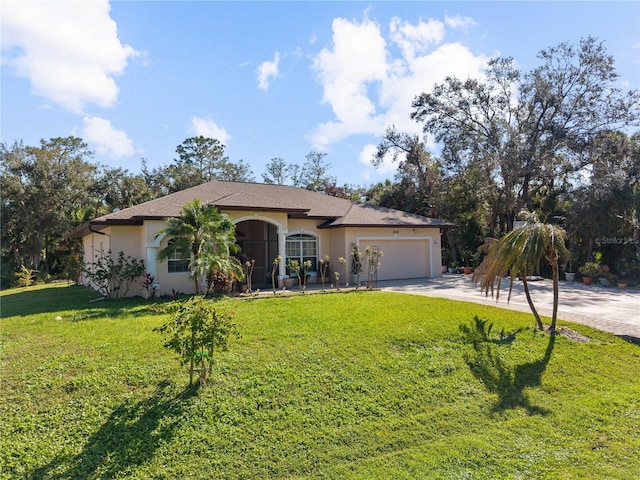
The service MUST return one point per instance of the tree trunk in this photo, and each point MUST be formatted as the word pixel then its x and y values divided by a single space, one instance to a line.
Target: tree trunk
pixel 37 251
pixel 556 278
pixel 525 284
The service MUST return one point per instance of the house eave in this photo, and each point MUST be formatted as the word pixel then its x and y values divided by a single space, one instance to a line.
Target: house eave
pixel 385 225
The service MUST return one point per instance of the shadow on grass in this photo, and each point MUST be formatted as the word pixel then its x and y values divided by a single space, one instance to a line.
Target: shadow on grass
pixel 16 302
pixel 630 339
pixel 75 303
pixel 129 438
pixel 508 382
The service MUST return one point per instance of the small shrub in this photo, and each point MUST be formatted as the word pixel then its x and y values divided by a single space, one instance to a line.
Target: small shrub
pixel 217 282
pixel 25 276
pixel 149 284
pixel 113 278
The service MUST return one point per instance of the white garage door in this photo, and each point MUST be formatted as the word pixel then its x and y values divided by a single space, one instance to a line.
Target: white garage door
pixel 402 258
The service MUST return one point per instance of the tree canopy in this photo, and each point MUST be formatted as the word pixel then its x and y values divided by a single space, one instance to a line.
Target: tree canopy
pixel 42 190
pixel 527 131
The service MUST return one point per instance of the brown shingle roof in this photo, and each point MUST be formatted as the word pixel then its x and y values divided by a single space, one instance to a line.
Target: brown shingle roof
pixel 296 202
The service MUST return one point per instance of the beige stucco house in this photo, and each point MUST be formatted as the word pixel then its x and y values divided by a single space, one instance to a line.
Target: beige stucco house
pixel 273 220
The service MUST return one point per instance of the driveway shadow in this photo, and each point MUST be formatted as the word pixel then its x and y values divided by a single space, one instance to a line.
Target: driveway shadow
pixel 130 437
pixel 507 381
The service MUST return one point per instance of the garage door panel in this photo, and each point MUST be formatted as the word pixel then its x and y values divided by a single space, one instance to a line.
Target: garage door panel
pixel 403 259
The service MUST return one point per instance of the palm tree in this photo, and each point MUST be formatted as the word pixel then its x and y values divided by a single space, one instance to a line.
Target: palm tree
pixel 519 253
pixel 205 237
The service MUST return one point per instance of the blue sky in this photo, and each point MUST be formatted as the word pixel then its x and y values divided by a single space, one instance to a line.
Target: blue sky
pixel 267 79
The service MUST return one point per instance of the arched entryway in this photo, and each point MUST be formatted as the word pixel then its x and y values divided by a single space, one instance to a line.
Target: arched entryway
pixel 258 241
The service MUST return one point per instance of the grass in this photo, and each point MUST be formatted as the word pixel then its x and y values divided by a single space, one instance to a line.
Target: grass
pixel 355 385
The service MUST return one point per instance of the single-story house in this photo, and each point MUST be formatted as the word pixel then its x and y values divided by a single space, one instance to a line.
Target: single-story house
pixel 274 220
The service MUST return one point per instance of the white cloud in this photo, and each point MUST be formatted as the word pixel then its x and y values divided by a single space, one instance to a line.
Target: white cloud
pixel 386 167
pixel 401 87
pixel 458 21
pixel 208 128
pixel 69 51
pixel 356 60
pixel 415 39
pixel 369 89
pixel 107 140
pixel 268 70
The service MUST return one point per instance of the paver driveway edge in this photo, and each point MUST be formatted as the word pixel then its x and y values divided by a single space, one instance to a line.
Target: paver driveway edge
pixel 605 308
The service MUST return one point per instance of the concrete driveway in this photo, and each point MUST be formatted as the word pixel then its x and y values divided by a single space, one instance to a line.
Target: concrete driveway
pixel 605 308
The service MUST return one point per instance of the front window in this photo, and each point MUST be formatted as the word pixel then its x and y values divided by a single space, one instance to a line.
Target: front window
pixel 302 248
pixel 176 263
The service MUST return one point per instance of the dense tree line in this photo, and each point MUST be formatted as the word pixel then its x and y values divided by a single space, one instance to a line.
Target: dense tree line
pixel 555 140
pixel 49 190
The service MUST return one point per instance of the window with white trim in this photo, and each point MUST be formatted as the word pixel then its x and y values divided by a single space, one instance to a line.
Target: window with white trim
pixel 176 263
pixel 302 248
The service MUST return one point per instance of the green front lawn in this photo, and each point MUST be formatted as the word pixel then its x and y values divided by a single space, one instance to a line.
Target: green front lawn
pixel 336 385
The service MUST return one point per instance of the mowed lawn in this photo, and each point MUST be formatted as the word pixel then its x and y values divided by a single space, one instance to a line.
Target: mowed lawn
pixel 341 385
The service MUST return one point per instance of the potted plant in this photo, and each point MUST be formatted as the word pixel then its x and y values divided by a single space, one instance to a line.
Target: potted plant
pixel 622 283
pixel 569 274
pixel 453 267
pixel 607 278
pixel 589 271
pixel 467 256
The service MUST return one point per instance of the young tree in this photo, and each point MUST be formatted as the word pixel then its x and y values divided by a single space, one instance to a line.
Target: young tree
pixel 519 253
pixel 205 237
pixel 195 331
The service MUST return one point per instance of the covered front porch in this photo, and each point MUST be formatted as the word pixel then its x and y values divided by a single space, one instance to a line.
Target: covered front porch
pixel 261 240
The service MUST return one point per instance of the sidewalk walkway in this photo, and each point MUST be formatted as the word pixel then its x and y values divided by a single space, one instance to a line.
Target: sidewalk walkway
pixel 605 308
